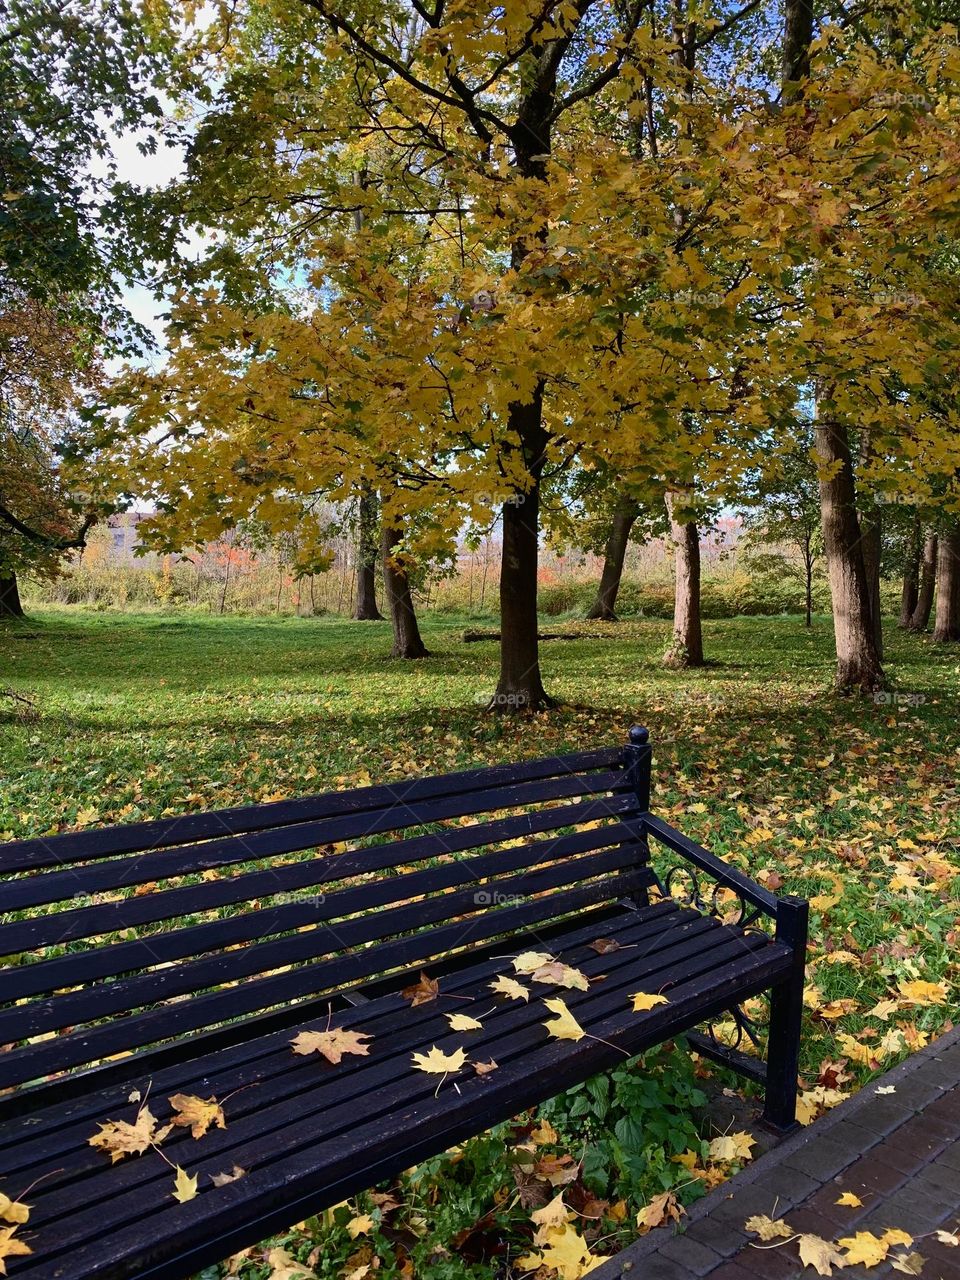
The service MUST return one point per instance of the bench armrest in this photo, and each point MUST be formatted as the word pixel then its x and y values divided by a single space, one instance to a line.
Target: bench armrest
pixel 761 900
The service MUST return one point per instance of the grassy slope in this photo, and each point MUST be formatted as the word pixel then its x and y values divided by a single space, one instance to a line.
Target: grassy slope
pixel 755 757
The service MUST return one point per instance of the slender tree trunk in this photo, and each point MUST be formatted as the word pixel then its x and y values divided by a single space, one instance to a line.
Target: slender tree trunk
pixel 808 580
pixel 686 649
pixel 858 661
pixel 946 628
pixel 911 574
pixel 871 534
pixel 615 552
pixel 10 606
pixel 407 642
pixel 366 610
pixel 928 577
pixel 798 36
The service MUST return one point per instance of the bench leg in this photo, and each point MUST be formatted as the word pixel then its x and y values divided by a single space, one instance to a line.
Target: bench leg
pixel 786 1016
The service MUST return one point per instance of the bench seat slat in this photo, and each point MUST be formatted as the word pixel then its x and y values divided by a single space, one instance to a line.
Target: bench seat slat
pixel 21 1065
pixel 327 928
pixel 80 846
pixel 133 912
pixel 280 1075
pixel 399 1102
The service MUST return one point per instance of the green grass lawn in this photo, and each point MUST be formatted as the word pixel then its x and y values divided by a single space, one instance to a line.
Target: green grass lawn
pixel 848 801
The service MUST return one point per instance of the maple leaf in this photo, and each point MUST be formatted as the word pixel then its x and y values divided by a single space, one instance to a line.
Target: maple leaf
pixel 360 1225
pixel 553 1214
pixel 13 1210
pixel 819 1254
pixel 463 1022
pixel 224 1179
pixel 603 946
pixel 197 1113
pixel 185 1186
pixel 769 1228
pixel 421 992
pixel 924 992
pixel 732 1146
pixel 848 1198
pixel 949 1238
pixel 332 1044
pixel 283 1266
pixel 10 1247
pixel 894 1235
pixel 119 1138
pixel 438 1062
pixel 564 1026
pixel 662 1208
pixel 565 1251
pixel 864 1247
pixel 561 975
pixel 504 986
pixel 529 961
pixel 642 1001
pixel 484 1068
pixel 911 1264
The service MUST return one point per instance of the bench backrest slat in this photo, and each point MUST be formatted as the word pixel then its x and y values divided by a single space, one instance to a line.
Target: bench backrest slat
pixel 135 837
pixel 150 867
pixel 280 918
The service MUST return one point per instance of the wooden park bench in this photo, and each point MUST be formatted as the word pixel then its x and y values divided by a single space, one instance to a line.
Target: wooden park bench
pixel 182 956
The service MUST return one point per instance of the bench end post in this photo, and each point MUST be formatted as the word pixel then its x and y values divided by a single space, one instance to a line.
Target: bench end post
pixel 786 1018
pixel 636 762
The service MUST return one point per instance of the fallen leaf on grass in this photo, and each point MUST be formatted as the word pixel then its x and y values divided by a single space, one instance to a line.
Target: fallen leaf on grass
pixel 662 1208
pixel 732 1146
pixel 197 1113
pixel 564 1251
pixel 119 1138
pixel 438 1062
pixel 553 1214
pixel 820 1254
pixel 223 1179
pixel 463 1022
pixel 283 1266
pixel 13 1211
pixel 332 1044
pixel 643 1000
pixel 924 992
pixel 360 1225
pixel 421 992
pixel 185 1186
pixel 564 1026
pixel 10 1247
pixel 505 986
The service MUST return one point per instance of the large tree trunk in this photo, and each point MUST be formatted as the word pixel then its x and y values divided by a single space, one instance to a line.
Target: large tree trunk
pixel 928 577
pixel 520 686
pixel 366 609
pixel 910 590
pixel 686 648
pixel 614 554
pixel 946 628
pixel 871 532
pixel 858 660
pixel 407 642
pixel 10 606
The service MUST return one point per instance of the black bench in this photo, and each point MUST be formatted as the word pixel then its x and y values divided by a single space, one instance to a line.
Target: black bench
pixel 183 955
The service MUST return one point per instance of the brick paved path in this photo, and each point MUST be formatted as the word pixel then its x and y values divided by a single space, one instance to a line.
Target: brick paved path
pixel 899 1152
